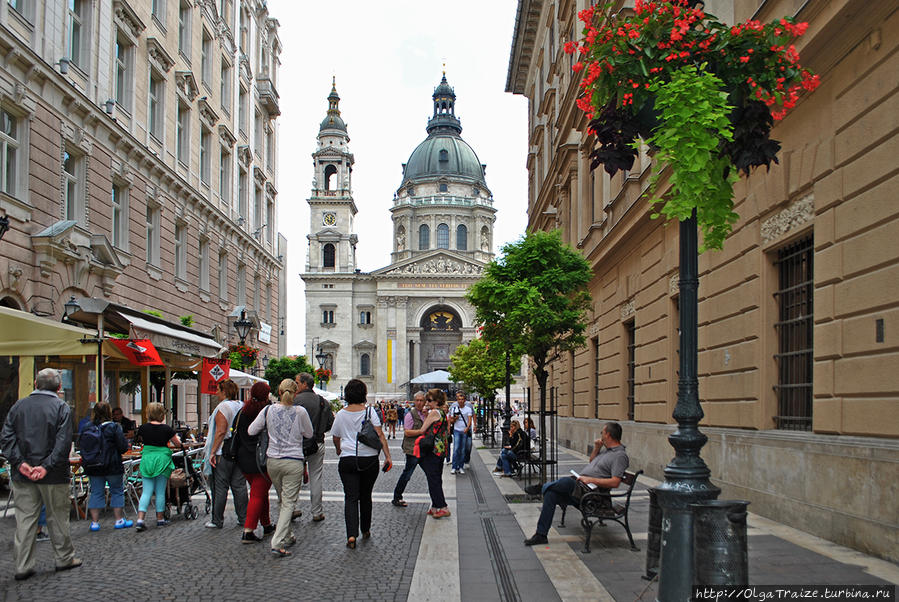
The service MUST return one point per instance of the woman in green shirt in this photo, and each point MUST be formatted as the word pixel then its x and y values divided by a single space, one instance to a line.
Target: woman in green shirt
pixel 155 463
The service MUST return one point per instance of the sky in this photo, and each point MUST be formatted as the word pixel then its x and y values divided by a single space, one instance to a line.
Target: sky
pixel 388 57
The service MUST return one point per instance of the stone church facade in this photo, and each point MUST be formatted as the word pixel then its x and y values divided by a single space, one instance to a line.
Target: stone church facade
pixel 390 325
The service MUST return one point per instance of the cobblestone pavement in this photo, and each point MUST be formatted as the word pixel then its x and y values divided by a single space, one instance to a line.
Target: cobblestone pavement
pixel 187 561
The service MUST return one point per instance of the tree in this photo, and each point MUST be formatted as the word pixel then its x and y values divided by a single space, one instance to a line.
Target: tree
pixel 535 298
pixel 481 366
pixel 285 367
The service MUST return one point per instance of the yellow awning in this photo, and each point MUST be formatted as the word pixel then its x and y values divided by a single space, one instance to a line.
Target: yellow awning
pixel 24 334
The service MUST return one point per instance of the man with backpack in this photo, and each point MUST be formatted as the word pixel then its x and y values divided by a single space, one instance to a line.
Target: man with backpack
pixel 322 418
pixel 102 445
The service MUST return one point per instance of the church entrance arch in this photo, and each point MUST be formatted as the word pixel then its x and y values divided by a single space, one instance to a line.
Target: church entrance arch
pixel 441 333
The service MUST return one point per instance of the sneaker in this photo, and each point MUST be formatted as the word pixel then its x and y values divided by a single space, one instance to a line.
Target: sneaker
pixel 296 514
pixel 141 526
pixel 536 540
pixel 533 489
pixel 42 536
pixel 124 523
pixel 162 523
pixel 497 471
pixel 212 525
pixel 441 513
pixel 453 471
pixel 95 526
pixel 461 471
pixel 268 529
pixel 249 537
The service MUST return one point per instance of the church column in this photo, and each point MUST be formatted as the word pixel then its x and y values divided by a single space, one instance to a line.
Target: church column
pixel 381 342
pixel 400 355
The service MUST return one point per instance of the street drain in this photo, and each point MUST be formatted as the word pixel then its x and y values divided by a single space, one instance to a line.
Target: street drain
pixel 478 490
pixel 508 592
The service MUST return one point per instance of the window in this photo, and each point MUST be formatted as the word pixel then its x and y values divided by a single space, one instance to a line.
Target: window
pixel 205 160
pixel 257 135
pixel 10 153
pixel 443 188
pixel 270 221
pixel 225 91
pixel 462 237
pixel 365 317
pixel 328 256
pixel 242 109
pixel 244 31
pixel 241 285
pixel 119 217
pixel 23 7
pixel 268 303
pixel 157 104
pixel 152 235
pixel 257 293
pixel 206 59
pixel 242 193
pixel 77 32
pixel 443 236
pixel 182 137
pixel 184 29
pixel 328 316
pixel 124 73
pixel 225 11
pixel 270 150
pixel 223 276
pixel 631 335
pixel 71 173
pixel 180 251
pixel 365 365
pixel 424 237
pixel 158 10
pixel 257 212
pixel 204 264
pixel 794 329
pixel 225 177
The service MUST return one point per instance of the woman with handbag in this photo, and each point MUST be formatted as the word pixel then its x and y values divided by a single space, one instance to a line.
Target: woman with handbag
pixel 358 440
pixel 431 448
pixel 286 425
pixel 258 508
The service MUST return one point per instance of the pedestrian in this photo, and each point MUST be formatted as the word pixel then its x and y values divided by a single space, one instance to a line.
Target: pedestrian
pixel 225 472
pixel 529 428
pixel 412 422
pixel 517 448
pixel 431 462
pixel 391 420
pixel 358 465
pixel 287 425
pixel 109 471
pixel 258 507
pixel 155 463
pixel 322 417
pixel 462 413
pixel 35 439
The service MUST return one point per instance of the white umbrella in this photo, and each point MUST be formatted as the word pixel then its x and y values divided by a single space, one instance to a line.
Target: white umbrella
pixel 242 379
pixel 437 377
pixel 326 394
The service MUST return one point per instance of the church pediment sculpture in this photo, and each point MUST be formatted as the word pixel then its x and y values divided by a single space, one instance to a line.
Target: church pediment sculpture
pixel 439 265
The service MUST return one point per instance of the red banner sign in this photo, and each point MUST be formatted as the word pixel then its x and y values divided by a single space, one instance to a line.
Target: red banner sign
pixel 139 352
pixel 215 370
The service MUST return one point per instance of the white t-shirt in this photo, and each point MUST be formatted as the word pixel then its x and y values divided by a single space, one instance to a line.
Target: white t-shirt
pixel 346 425
pixel 462 415
pixel 228 409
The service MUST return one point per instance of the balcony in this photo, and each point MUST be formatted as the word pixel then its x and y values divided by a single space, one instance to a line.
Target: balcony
pixel 268 96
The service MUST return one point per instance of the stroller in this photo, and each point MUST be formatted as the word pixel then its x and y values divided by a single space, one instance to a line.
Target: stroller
pixel 184 482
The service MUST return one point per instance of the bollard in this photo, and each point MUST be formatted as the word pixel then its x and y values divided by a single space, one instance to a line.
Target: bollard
pixel 720 551
pixel 654 539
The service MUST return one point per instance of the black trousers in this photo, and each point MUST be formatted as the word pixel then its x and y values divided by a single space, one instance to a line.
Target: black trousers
pixel 358 475
pixel 433 467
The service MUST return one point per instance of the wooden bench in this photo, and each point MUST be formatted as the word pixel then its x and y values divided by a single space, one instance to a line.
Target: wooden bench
pixel 599 505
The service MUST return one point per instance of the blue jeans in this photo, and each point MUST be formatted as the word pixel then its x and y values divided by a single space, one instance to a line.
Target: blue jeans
pixel 155 485
pixel 556 493
pixel 468 448
pixel 98 491
pixel 506 457
pixel 411 463
pixel 460 442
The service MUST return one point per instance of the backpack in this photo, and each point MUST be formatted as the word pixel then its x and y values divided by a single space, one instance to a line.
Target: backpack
pixel 93 446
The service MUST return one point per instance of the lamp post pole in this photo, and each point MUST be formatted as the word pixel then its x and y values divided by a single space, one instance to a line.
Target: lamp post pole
pixel 686 476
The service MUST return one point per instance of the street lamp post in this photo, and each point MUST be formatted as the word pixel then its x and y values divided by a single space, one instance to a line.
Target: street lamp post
pixel 321 357
pixel 242 326
pixel 686 476
pixel 95 307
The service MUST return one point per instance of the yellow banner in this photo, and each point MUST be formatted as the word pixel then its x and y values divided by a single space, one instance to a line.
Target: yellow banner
pixel 389 360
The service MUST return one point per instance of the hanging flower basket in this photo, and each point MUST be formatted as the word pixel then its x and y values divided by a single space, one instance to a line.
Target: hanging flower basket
pixel 323 375
pixel 703 94
pixel 245 354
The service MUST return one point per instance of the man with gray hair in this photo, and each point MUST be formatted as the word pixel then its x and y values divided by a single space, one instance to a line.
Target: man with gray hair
pixel 411 430
pixel 36 438
pixel 322 418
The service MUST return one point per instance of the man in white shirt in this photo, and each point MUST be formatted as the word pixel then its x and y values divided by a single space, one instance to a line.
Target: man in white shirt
pixel 463 414
pixel 225 472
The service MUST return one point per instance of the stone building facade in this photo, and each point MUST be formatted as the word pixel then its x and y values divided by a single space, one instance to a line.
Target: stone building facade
pixel 390 325
pixel 797 314
pixel 140 160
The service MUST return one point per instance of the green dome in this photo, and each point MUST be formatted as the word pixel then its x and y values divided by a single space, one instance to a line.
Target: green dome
pixel 429 161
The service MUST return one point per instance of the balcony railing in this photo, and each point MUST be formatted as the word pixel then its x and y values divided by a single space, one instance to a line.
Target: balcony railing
pixel 268 96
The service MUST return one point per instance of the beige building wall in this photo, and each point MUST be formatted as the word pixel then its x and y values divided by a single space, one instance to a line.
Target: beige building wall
pixel 834 184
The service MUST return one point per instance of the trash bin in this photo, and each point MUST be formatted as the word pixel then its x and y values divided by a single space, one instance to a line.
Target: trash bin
pixel 654 538
pixel 720 552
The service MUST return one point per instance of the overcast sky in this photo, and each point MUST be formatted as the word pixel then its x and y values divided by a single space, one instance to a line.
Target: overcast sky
pixel 388 58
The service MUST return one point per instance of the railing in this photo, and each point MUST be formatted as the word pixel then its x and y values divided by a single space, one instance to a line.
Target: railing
pixel 443 200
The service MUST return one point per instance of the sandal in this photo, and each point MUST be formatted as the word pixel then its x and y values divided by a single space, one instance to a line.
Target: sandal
pixel 280 553
pixel 366 535
pixel 399 503
pixel 351 543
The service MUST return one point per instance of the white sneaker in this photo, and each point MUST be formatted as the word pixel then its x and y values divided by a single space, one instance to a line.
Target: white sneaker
pixel 453 471
pixel 212 525
pixel 461 471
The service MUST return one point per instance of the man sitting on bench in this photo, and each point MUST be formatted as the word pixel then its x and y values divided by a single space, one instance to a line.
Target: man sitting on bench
pixel 605 470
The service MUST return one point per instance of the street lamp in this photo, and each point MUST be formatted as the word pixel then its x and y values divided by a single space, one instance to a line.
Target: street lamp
pixel 71 306
pixel 321 357
pixel 265 361
pixel 242 325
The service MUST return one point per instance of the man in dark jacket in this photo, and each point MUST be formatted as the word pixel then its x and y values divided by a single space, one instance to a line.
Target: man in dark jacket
pixel 322 418
pixel 36 438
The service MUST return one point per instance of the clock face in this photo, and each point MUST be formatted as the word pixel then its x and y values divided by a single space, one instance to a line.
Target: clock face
pixel 329 219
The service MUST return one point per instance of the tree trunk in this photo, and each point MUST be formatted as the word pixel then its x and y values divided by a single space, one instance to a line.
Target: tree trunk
pixel 541 374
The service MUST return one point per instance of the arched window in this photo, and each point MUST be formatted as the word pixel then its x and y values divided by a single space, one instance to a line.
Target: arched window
pixel 328 256
pixel 443 236
pixel 444 155
pixel 462 237
pixel 330 177
pixel 365 365
pixel 424 237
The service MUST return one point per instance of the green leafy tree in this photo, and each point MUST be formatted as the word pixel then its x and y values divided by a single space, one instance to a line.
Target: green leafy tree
pixel 535 297
pixel 285 367
pixel 481 366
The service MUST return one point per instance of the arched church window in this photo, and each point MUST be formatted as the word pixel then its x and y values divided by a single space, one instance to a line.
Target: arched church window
pixel 328 256
pixel 330 177
pixel 462 237
pixel 443 155
pixel 365 365
pixel 443 236
pixel 424 237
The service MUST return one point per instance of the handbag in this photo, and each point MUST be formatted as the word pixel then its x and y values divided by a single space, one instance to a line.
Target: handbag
pixel 367 434
pixel 229 446
pixel 262 444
